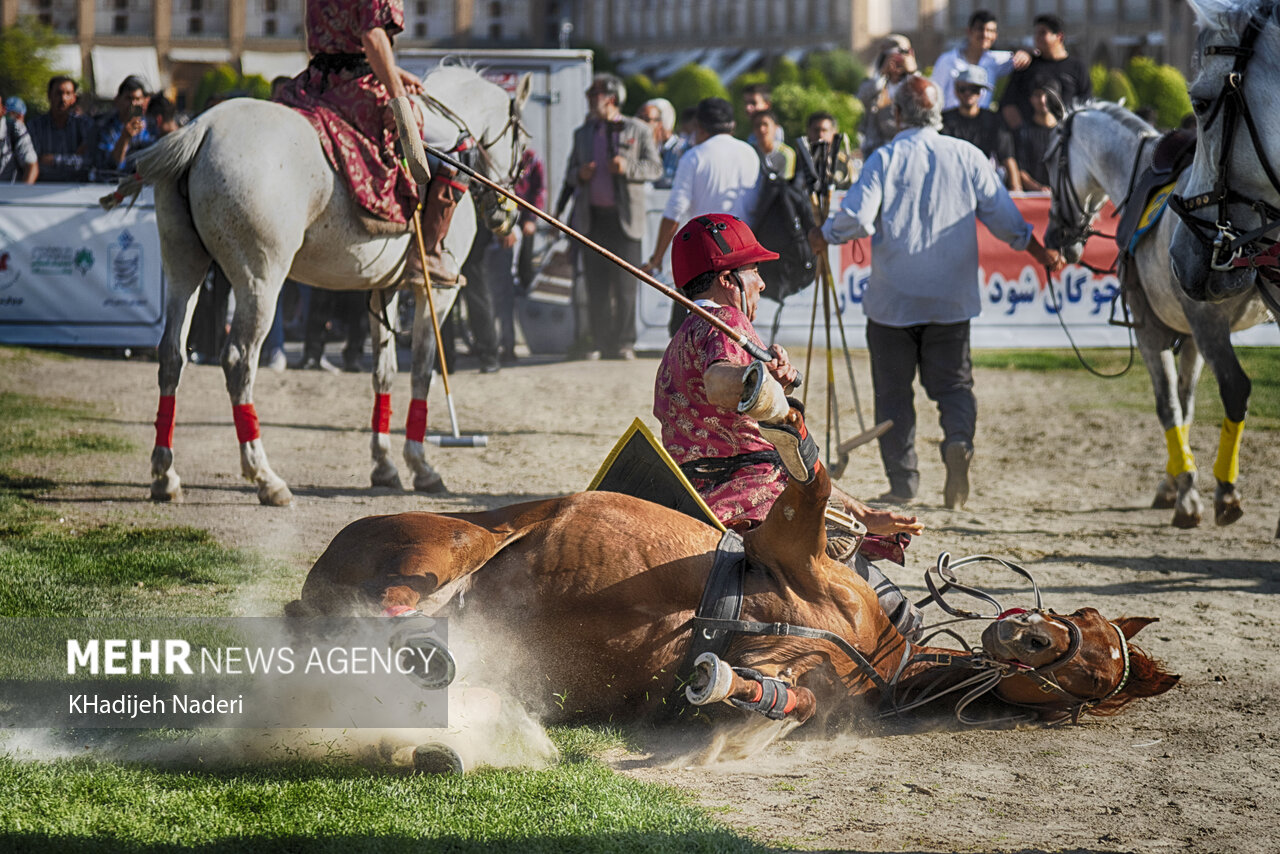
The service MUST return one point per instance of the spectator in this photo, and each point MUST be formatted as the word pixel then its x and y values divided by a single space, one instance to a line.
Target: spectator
pixel 162 115
pixel 65 139
pixel 719 174
pixel 17 155
pixel 976 50
pixel 896 62
pixel 612 158
pixel 980 127
pixel 660 116
pixel 126 127
pixel 350 310
pixel 918 198
pixel 16 108
pixel 777 156
pixel 478 295
pixel 689 126
pixel 1031 140
pixel 514 251
pixel 1051 62
pixel 758 98
pixel 821 137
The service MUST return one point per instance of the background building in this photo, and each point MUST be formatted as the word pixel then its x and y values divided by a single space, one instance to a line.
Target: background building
pixel 172 43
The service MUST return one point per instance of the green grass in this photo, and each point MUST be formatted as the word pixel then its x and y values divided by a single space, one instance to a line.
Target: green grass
pixel 1133 390
pixel 53 567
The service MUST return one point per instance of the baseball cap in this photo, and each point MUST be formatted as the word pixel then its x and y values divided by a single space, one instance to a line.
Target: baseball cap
pixel 973 75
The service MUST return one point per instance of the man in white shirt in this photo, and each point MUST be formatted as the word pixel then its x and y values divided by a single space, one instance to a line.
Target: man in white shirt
pixel 976 50
pixel 719 174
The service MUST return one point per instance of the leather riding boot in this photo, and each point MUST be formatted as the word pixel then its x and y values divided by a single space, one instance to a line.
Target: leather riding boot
pixel 443 195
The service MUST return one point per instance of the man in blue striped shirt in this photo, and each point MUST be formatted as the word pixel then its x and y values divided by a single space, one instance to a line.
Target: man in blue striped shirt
pixel 919 197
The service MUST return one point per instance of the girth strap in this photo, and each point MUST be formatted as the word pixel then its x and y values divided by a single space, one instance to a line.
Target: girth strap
pixel 721 598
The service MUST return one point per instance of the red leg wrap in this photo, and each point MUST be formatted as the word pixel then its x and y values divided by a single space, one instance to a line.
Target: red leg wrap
pixel 792 699
pixel 415 429
pixel 382 413
pixel 164 422
pixel 246 418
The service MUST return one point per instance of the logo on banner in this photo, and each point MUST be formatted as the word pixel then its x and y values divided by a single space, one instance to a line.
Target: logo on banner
pixel 9 272
pixel 126 263
pixel 84 261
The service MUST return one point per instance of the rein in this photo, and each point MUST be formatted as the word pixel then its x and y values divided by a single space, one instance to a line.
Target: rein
pixel 1230 249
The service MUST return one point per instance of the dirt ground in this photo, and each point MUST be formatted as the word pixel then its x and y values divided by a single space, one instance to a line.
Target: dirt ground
pixel 1061 482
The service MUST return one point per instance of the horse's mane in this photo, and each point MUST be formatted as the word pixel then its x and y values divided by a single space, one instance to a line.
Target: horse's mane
pixel 1125 117
pixel 1147 678
pixel 1220 15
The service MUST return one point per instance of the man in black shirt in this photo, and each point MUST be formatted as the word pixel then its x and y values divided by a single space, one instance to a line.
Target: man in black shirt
pixel 1050 63
pixel 1031 140
pixel 981 127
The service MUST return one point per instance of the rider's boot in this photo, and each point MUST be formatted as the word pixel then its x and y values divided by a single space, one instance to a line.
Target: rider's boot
pixel 442 197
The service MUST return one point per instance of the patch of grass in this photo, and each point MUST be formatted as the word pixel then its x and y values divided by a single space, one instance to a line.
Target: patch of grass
pixel 31 426
pixel 1133 390
pixel 585 743
pixel 82 805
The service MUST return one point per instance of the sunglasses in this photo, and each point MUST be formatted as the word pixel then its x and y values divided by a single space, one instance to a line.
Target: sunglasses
pixel 968 90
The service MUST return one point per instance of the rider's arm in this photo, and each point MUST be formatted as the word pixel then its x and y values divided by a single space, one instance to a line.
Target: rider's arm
pixel 377 49
pixel 887 521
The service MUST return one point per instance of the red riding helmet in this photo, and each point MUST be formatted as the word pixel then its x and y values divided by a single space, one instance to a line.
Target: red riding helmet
pixel 714 243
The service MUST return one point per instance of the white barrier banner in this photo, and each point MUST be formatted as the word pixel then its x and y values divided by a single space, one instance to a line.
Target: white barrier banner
pixel 74 275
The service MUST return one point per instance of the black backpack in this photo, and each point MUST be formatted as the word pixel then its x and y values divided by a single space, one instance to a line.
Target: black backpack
pixel 783 217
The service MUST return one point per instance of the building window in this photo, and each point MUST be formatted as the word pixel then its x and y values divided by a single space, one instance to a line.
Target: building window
pixel 422 7
pixel 120 24
pixel 269 6
pixel 495 32
pixel 195 25
pixel 269 27
pixel 495 10
pixel 46 19
pixel 197 5
pixel 122 5
pixel 420 30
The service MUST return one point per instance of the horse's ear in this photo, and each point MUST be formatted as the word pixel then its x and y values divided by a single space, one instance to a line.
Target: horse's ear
pixel 1055 105
pixel 1130 626
pixel 523 89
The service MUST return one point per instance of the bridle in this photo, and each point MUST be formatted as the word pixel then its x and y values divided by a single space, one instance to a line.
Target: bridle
pixel 466 140
pixel 990 671
pixel 1075 223
pixel 1230 247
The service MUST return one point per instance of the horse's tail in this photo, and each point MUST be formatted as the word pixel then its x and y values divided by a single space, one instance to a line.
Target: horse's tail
pixel 166 161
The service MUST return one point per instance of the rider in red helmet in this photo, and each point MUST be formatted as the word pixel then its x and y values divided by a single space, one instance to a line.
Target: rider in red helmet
pixel 735 468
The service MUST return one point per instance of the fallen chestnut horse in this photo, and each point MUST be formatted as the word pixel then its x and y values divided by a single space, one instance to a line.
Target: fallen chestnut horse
pixel 598 591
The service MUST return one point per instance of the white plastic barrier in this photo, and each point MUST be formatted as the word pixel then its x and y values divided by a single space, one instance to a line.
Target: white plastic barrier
pixel 73 275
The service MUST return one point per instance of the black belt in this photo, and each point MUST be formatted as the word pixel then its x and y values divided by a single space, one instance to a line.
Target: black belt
pixel 332 63
pixel 720 470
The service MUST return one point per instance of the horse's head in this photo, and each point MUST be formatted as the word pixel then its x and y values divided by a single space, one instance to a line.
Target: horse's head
pixel 1230 198
pixel 1081 662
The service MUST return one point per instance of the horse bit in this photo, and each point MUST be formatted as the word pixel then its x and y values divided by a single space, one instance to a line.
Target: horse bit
pixel 1230 248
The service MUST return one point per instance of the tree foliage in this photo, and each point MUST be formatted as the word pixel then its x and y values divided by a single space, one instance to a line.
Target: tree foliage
pixel 225 80
pixel 26 62
pixel 794 103
pixel 784 71
pixel 639 89
pixel 1169 97
pixel 691 84
pixel 1116 87
pixel 842 70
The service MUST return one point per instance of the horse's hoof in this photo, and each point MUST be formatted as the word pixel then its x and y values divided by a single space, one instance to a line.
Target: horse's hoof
pixel 275 496
pixel 1186 520
pixel 161 491
pixel 1227 509
pixel 436 758
pixel 1164 501
pixel 389 480
pixel 433 484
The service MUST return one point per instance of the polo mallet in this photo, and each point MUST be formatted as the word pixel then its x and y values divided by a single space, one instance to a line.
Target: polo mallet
pixel 456 440
pixel 739 338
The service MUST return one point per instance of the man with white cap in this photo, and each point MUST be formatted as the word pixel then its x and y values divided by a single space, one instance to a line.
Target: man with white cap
pixel 982 128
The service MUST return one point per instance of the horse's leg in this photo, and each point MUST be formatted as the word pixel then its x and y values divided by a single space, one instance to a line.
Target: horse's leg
pixel 1155 342
pixel 382 305
pixel 425 478
pixel 255 311
pixel 1212 330
pixel 186 263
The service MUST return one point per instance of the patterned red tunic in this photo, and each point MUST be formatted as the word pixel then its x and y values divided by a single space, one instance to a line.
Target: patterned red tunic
pixel 693 428
pixel 349 108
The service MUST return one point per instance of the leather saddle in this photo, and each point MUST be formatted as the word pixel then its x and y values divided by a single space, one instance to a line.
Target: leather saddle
pixel 1142 210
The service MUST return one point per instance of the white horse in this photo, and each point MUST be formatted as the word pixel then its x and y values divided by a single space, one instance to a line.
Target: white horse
pixel 247 186
pixel 1224 248
pixel 1096 151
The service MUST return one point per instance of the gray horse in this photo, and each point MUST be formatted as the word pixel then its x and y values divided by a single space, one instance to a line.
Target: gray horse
pixel 1222 249
pixel 247 185
pixel 1101 145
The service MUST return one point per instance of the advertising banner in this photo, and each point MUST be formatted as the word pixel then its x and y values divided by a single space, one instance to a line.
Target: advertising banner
pixel 1019 309
pixel 74 275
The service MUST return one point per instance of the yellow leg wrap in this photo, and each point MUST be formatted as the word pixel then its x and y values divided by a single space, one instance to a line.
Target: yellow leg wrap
pixel 1181 459
pixel 1227 467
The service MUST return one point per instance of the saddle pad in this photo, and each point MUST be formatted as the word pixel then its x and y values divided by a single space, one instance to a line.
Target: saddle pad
pixel 1151 214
